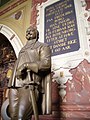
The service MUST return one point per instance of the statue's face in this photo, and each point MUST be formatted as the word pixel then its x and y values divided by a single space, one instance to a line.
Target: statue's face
pixel 31 33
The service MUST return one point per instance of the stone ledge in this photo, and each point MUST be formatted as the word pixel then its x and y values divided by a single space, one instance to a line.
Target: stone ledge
pixel 47 117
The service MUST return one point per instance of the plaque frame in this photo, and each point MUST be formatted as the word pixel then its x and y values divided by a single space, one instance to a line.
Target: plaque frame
pixel 72 59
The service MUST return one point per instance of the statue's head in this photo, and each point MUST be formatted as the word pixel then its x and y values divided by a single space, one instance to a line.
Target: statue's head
pixel 32 33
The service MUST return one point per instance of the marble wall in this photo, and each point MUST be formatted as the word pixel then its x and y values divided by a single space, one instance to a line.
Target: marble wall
pixel 75 104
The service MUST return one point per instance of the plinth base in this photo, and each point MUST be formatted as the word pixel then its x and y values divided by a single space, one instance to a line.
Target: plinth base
pixel 46 117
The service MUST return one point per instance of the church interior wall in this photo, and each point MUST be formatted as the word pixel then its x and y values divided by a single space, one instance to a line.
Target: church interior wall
pixel 71 72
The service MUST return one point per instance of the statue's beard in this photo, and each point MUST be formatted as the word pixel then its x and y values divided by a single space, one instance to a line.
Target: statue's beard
pixel 28 37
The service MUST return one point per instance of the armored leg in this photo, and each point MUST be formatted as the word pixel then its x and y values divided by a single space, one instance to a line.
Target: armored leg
pixel 20 104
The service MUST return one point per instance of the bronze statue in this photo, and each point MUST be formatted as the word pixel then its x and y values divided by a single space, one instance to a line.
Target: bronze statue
pixel 30 79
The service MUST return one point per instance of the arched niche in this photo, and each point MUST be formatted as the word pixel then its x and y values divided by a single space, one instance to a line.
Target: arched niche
pixel 12 38
pixel 10 46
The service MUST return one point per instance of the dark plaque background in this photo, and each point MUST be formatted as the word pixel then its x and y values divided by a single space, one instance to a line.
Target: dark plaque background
pixel 61 31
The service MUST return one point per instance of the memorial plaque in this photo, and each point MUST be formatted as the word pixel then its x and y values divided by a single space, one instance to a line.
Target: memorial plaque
pixel 60 27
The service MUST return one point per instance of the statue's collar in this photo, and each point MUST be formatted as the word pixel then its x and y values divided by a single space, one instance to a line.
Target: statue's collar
pixel 31 41
pixel 30 44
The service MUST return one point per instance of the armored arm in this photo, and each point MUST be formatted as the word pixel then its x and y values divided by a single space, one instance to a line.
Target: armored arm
pixel 45 59
pixel 43 64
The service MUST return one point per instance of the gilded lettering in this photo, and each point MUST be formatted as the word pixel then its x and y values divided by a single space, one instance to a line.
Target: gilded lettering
pixel 66 48
pixel 58 49
pixel 72 41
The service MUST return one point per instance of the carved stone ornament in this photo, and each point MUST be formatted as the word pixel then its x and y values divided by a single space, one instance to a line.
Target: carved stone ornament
pixel 62 63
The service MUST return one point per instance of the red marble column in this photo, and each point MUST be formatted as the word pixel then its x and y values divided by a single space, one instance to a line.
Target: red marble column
pixel 77 100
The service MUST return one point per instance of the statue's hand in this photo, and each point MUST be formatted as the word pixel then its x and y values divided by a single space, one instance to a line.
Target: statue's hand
pixel 32 67
pixel 20 70
pixel 18 74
